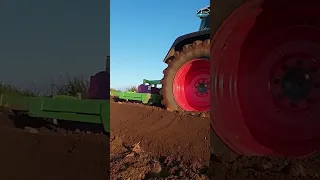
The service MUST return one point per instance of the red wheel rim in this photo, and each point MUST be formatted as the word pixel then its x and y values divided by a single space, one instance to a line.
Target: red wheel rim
pixel 191 88
pixel 251 113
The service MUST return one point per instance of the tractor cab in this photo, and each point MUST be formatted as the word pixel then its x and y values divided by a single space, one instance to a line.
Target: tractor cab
pixel 149 86
pixel 99 83
pixel 152 83
pixel 204 15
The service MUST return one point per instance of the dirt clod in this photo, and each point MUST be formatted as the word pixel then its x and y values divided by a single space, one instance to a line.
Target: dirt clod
pixel 31 130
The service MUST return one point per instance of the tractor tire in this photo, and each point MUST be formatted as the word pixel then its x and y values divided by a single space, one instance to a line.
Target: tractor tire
pixel 187 70
pixel 259 48
pixel 220 11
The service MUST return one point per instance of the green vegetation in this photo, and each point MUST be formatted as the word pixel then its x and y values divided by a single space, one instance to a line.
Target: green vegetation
pixel 65 85
pixel 114 90
pixel 11 89
pixel 70 86
pixel 129 88
pixel 132 89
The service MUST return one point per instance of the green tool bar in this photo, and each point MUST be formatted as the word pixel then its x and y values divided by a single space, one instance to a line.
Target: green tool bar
pixel 62 108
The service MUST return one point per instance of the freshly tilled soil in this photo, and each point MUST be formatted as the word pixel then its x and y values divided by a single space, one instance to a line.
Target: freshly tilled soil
pixel 146 143
pixel 264 168
pixel 38 152
pixel 152 143
pixel 161 132
pixel 171 145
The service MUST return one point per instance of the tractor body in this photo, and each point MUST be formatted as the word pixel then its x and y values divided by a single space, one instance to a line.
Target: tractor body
pixel 185 85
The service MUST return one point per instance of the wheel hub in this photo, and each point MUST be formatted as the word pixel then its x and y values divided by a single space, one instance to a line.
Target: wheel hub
pixel 202 87
pixel 293 83
pixel 296 84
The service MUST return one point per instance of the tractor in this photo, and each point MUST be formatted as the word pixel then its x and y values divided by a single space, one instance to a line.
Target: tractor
pixel 99 86
pixel 264 77
pixel 185 84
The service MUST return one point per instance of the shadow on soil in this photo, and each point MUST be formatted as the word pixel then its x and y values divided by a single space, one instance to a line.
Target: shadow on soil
pixel 116 99
pixel 47 156
pixel 22 121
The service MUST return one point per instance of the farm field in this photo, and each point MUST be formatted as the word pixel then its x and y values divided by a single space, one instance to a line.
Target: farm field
pixel 152 143
pixel 149 143
pixel 36 150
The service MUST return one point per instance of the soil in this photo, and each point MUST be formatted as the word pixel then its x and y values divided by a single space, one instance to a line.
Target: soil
pixel 38 152
pixel 152 143
pixel 264 168
pixel 146 143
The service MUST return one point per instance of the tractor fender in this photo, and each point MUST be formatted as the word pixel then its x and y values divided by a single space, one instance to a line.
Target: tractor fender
pixel 186 39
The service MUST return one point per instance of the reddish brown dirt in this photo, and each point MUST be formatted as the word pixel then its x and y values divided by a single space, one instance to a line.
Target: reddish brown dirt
pixel 264 168
pixel 173 147
pixel 40 153
pixel 178 143
pixel 161 132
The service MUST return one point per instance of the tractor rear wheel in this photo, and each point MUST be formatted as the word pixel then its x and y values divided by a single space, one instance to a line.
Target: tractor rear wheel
pixel 265 76
pixel 185 85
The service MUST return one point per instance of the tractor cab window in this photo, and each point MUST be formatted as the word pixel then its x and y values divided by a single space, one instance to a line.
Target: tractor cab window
pixel 205 23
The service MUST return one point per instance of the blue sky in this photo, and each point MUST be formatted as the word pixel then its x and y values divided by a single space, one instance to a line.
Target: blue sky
pixel 41 40
pixel 142 32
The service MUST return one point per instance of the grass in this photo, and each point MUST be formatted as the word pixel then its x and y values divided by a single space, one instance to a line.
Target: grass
pixel 70 86
pixel 114 90
pixel 65 85
pixel 10 89
pixel 132 89
pixel 128 88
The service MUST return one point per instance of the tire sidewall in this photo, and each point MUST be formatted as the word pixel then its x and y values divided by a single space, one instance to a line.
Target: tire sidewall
pixel 188 54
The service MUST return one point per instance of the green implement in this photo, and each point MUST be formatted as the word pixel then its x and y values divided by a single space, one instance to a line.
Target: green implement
pixel 61 108
pixel 145 98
